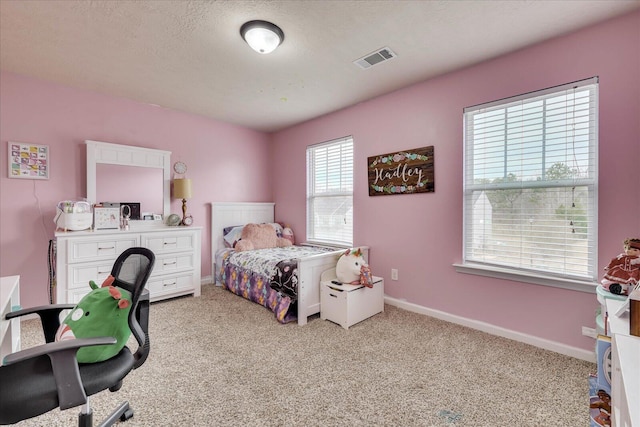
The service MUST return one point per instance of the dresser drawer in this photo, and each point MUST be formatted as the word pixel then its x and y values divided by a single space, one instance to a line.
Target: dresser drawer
pixel 104 248
pixel 161 243
pixel 75 295
pixel 173 262
pixel 79 275
pixel 163 285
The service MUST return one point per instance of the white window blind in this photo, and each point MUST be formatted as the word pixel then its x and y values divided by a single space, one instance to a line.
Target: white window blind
pixel 530 187
pixel 330 192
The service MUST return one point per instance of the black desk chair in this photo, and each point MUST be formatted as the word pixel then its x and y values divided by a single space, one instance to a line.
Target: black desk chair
pixel 42 378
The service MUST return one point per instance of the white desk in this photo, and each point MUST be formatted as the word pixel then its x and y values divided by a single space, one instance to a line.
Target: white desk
pixel 625 369
pixel 9 329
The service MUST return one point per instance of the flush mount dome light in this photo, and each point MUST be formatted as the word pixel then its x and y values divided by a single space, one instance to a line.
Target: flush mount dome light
pixel 263 37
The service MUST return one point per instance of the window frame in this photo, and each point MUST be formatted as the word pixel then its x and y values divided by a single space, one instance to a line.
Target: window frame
pixel 312 195
pixel 535 275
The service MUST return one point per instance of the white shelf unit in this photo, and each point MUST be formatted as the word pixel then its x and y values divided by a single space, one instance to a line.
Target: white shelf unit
pixel 9 329
pixel 625 368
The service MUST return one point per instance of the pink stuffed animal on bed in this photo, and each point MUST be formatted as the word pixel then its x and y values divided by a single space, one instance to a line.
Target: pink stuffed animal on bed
pixel 259 236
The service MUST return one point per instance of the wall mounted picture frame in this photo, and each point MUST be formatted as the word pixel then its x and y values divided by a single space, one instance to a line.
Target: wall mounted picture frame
pixel 105 218
pixel 28 161
pixel 402 172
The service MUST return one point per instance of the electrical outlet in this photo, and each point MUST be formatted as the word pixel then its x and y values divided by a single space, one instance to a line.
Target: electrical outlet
pixel 394 274
pixel 589 332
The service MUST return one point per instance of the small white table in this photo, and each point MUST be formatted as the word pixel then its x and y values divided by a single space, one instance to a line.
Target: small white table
pixel 625 369
pixel 9 329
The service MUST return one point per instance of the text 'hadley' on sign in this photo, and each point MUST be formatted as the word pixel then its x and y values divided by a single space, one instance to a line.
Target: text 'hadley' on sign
pixel 403 172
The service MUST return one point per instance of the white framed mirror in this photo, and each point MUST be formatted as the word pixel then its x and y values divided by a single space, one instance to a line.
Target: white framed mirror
pixel 125 161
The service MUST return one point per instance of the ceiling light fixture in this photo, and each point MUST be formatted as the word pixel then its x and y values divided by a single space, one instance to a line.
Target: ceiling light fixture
pixel 263 37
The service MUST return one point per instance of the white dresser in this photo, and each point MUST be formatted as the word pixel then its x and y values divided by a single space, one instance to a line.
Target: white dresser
pixel 89 255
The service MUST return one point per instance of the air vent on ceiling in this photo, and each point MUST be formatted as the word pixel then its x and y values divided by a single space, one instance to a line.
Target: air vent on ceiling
pixel 374 58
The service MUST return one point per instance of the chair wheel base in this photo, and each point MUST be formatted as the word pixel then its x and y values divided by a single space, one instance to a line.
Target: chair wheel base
pixel 85 419
pixel 128 414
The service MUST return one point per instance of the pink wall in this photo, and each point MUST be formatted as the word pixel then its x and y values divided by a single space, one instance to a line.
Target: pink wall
pixel 226 163
pixel 421 235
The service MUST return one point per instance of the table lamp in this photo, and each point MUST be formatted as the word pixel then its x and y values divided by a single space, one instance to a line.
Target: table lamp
pixel 182 190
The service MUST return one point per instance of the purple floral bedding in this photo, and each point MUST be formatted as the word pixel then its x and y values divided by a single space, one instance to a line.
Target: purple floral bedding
pixel 268 277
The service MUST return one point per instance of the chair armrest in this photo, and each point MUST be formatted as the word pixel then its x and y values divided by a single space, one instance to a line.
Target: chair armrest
pixel 40 309
pixel 53 347
pixel 64 365
pixel 49 317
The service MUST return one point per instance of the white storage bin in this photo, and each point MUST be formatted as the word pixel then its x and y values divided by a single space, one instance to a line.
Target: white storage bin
pixel 347 305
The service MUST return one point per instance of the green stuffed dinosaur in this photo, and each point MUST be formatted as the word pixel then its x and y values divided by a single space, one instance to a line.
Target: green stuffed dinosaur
pixel 103 312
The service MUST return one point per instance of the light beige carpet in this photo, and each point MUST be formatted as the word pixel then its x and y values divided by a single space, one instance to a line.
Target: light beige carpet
pixel 219 360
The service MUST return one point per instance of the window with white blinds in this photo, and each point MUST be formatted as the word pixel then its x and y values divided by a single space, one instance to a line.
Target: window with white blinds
pixel 530 183
pixel 330 192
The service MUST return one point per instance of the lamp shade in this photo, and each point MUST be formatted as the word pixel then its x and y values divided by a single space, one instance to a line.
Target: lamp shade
pixel 263 37
pixel 182 188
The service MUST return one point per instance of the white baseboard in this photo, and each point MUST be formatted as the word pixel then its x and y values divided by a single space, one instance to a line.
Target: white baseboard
pixel 554 346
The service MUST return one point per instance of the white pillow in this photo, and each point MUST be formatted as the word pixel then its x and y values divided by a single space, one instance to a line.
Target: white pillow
pixel 233 236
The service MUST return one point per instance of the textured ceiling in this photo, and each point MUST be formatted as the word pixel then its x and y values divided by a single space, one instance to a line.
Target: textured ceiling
pixel 189 56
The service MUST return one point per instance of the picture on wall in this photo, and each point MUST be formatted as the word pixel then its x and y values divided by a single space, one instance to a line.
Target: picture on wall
pixel 403 172
pixel 28 160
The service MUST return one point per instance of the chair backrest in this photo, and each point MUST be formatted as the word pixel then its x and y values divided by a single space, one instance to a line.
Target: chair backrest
pixel 131 271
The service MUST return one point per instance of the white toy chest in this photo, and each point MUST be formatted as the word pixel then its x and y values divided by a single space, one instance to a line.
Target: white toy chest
pixel 347 305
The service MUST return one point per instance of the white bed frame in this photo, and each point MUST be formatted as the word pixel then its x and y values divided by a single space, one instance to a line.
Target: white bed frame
pixel 309 268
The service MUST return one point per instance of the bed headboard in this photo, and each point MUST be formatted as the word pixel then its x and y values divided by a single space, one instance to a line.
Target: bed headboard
pixel 228 214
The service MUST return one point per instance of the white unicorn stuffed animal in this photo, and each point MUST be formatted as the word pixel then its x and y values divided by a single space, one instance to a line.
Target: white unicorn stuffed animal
pixel 353 269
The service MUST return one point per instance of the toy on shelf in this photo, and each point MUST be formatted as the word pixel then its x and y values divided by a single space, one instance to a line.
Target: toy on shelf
pixel 623 272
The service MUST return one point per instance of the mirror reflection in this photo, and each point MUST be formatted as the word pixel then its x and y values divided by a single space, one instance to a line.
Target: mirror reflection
pixel 117 183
